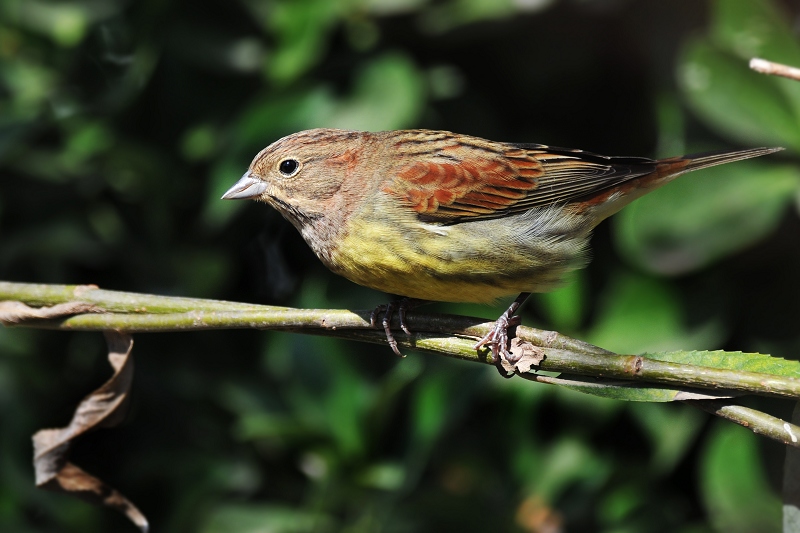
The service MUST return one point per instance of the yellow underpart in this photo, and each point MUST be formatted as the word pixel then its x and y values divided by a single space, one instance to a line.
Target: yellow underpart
pixel 479 261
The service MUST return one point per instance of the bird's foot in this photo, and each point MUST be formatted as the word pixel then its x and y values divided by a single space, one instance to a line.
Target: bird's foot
pixel 497 338
pixel 388 310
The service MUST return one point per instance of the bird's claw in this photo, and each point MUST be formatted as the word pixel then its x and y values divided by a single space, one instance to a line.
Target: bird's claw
pixel 388 313
pixel 373 316
pixel 497 339
pixel 404 306
pixel 387 327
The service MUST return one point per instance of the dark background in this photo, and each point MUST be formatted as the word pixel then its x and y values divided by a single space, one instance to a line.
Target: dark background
pixel 122 123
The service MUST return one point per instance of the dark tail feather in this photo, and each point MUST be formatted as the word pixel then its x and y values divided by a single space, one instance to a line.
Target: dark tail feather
pixel 666 171
pixel 710 159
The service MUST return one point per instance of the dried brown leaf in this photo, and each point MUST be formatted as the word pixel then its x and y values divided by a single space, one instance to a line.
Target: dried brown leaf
pixel 526 354
pixel 76 482
pixel 105 407
pixel 13 312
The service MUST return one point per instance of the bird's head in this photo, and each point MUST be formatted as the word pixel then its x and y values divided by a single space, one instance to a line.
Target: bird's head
pixel 304 175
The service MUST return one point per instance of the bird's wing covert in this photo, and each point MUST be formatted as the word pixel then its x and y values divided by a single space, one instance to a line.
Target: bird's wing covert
pixel 463 182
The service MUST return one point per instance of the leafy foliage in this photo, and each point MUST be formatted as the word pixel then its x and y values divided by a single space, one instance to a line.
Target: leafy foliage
pixel 122 123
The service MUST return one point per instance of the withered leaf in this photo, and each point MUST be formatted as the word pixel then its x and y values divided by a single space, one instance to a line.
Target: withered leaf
pixel 13 312
pixel 527 355
pixel 105 407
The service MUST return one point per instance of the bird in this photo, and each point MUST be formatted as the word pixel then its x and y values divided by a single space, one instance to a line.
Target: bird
pixel 430 215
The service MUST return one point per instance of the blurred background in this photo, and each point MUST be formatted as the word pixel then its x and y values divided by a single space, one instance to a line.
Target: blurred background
pixel 122 123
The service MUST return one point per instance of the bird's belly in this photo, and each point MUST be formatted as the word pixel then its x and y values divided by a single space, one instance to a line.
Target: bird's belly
pixel 458 263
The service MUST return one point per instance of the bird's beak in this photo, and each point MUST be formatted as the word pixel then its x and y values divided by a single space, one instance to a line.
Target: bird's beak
pixel 246 187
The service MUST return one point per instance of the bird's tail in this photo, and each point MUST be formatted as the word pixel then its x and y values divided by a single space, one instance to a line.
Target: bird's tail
pixel 675 166
pixel 667 170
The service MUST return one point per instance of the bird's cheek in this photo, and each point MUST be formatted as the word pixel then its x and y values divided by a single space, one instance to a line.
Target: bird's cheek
pixel 311 205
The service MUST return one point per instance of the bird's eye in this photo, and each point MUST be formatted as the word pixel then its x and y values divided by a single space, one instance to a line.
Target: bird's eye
pixel 288 167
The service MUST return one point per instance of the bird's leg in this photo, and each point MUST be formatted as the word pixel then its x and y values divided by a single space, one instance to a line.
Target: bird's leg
pixel 387 327
pixel 373 318
pixel 498 336
pixel 403 306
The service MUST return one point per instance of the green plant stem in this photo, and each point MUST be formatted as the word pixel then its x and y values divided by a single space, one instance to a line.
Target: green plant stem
pixel 439 334
pixel 756 421
pixel 38 294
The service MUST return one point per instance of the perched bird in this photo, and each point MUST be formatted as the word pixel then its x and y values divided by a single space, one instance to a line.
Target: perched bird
pixel 438 216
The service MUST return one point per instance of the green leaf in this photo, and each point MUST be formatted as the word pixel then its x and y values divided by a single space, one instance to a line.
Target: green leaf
pixel 638 392
pixel 745 362
pixel 739 103
pixel 733 485
pixel 701 218
pixel 628 391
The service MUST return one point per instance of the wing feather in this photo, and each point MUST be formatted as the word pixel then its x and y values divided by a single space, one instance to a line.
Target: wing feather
pixel 461 182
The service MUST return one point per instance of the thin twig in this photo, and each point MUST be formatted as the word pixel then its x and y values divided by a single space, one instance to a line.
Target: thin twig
pixel 756 421
pixel 775 69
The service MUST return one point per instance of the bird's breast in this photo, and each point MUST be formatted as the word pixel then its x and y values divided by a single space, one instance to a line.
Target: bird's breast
pixel 478 261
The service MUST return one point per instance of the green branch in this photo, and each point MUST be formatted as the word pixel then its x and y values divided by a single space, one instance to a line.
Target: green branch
pixel 453 336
